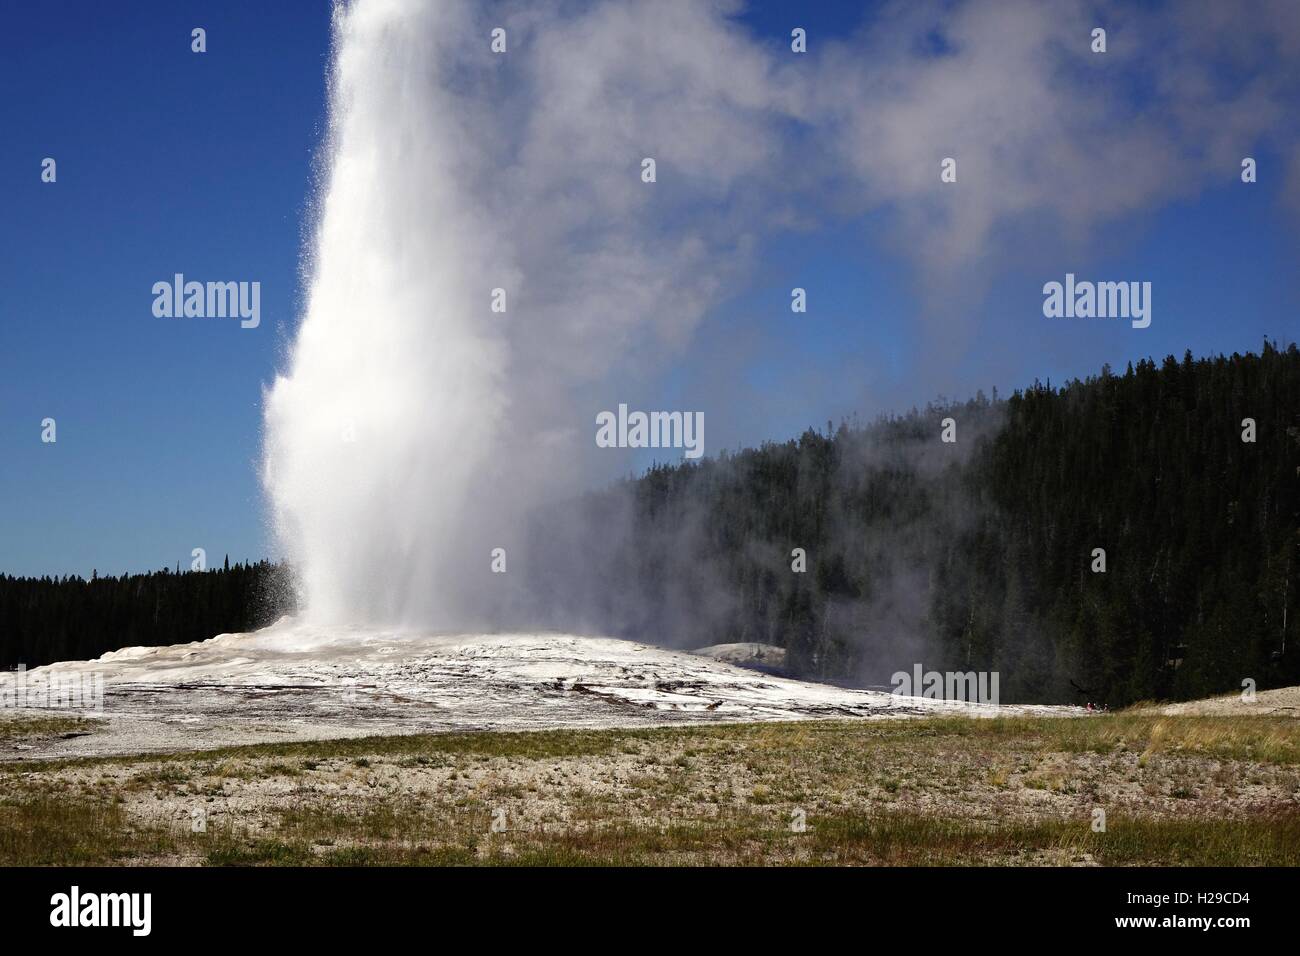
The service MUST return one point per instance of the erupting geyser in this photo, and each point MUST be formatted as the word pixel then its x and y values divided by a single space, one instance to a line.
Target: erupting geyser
pixel 414 427
pixel 383 437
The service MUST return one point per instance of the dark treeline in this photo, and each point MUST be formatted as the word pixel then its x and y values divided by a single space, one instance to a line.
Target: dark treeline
pixel 978 555
pixel 970 555
pixel 43 620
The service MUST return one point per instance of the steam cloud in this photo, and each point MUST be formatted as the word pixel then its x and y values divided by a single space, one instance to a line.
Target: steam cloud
pixel 414 429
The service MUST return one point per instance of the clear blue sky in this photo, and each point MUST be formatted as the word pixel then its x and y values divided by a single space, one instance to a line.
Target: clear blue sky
pixel 171 162
pixel 167 161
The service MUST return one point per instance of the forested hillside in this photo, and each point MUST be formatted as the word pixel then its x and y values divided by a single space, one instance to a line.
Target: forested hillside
pixel 1200 530
pixel 978 554
pixel 48 619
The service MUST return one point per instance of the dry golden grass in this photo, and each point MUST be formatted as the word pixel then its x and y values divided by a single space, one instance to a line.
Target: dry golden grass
pixel 1176 790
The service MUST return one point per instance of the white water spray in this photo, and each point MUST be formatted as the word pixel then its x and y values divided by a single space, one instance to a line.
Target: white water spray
pixel 389 417
pixel 414 428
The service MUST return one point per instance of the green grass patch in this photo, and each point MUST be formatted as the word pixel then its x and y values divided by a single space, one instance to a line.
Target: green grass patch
pixel 17 728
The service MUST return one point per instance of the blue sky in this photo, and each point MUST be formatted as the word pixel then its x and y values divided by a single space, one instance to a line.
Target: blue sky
pixel 174 162
pixel 167 161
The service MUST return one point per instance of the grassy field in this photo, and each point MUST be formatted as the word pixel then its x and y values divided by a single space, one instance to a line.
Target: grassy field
pixel 1181 790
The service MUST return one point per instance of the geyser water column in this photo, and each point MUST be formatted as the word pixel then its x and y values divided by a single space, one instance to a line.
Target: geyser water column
pixel 387 421
pixel 413 427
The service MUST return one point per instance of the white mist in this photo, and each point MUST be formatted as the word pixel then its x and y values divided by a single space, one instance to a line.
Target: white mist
pixel 413 428
pixel 388 417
